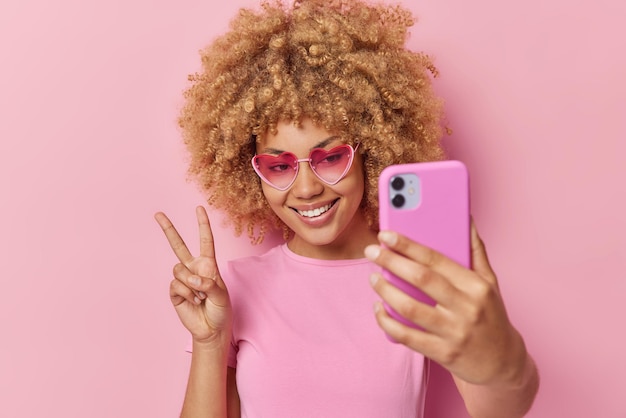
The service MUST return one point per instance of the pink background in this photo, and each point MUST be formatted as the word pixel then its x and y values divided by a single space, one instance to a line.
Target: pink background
pixel 89 151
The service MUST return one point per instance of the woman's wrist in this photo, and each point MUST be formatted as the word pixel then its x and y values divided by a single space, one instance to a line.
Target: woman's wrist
pixel 526 375
pixel 217 341
pixel 522 367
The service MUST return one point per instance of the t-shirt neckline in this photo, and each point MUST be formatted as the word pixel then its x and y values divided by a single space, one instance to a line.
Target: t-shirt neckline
pixel 322 262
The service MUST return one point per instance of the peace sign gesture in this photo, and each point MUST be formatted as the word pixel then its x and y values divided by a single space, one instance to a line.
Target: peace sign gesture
pixel 198 292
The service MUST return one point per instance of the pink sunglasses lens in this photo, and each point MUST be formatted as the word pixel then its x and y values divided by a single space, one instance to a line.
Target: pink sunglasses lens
pixel 331 165
pixel 279 171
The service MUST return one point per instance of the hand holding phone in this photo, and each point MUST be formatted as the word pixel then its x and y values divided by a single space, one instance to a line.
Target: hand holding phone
pixel 428 203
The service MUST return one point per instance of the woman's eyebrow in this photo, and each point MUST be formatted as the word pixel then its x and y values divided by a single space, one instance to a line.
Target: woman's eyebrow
pixel 325 142
pixel 321 144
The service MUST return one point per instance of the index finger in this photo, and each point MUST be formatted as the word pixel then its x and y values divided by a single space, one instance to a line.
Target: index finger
pixel 173 237
pixel 426 256
pixel 207 248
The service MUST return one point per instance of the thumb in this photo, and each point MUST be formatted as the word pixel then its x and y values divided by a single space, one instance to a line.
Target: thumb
pixel 480 262
pixel 207 268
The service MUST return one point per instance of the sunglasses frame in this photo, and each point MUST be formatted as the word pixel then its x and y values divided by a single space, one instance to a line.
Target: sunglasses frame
pixel 309 160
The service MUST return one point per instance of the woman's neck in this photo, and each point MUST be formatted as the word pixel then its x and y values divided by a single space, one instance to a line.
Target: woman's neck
pixel 349 245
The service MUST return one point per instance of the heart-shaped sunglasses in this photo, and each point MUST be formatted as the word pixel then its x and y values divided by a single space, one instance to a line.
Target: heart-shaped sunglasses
pixel 280 171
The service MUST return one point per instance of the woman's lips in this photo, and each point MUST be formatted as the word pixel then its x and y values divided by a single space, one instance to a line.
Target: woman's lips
pixel 317 215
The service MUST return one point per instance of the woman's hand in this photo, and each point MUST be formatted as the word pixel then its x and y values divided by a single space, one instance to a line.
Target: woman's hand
pixel 198 293
pixel 468 331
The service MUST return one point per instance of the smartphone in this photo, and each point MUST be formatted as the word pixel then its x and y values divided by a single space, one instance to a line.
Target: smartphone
pixel 428 203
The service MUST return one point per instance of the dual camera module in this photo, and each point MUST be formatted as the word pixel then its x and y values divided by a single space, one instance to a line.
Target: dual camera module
pixel 404 191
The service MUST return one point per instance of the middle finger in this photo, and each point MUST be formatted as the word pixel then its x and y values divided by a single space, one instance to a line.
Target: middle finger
pixel 422 277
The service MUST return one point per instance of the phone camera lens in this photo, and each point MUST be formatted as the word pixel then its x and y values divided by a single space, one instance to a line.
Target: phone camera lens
pixel 397 183
pixel 398 201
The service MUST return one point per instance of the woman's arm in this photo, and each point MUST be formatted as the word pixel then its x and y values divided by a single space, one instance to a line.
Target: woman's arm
pixel 234 408
pixel 211 388
pixel 201 300
pixel 512 392
pixel 512 398
pixel 468 331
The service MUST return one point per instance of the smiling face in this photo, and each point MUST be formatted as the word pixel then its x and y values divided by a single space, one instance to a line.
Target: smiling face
pixel 325 219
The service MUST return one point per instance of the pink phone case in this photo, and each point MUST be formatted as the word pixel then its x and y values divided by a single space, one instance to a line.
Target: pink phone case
pixel 441 219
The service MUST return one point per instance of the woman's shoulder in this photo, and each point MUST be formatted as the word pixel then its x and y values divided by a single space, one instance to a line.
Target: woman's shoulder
pixel 253 261
pixel 252 265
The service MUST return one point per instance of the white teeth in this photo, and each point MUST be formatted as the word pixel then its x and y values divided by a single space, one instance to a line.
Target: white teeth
pixel 315 212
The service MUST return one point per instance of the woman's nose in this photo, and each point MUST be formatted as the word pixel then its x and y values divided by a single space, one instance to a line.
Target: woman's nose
pixel 307 184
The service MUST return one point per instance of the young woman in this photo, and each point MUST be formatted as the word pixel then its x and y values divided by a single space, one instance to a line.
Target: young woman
pixel 297 111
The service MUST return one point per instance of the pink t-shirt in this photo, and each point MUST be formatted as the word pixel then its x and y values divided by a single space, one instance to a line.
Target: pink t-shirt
pixel 306 342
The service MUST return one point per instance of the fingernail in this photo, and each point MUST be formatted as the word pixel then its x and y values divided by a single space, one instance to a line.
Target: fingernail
pixel 195 281
pixel 202 295
pixel 373 279
pixel 376 307
pixel 372 252
pixel 388 237
pixel 195 299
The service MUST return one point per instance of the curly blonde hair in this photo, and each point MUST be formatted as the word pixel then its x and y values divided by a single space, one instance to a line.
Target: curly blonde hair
pixel 341 63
